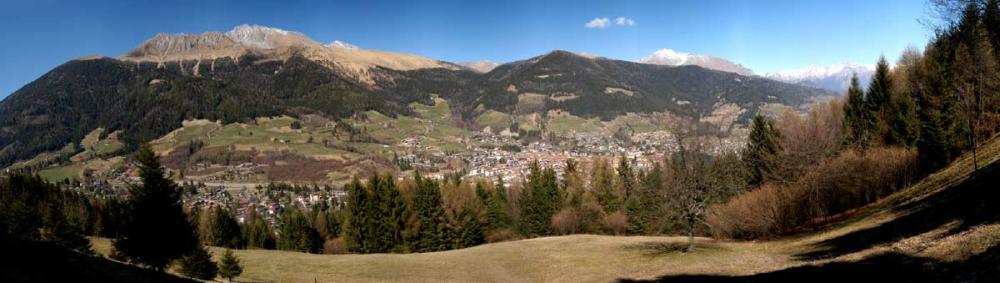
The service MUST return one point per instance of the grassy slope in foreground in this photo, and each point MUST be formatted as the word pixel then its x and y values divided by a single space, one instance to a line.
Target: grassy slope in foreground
pixel 944 220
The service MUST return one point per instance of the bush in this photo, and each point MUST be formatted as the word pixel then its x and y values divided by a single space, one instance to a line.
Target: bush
pixel 751 215
pixel 502 235
pixel 566 221
pixel 335 246
pixel 839 184
pixel 616 223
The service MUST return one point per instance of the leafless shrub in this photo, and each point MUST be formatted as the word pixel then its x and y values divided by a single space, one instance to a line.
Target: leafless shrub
pixel 501 235
pixel 335 246
pixel 832 186
pixel 616 223
pixel 566 221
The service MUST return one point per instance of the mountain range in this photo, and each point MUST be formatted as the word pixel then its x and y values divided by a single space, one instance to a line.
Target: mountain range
pixel 256 71
pixel 834 78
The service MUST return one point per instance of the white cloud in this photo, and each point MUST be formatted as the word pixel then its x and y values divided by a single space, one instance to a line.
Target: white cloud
pixel 667 56
pixel 602 22
pixel 605 22
pixel 623 21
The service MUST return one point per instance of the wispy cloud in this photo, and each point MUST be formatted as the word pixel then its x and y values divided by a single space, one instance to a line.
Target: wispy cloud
pixel 605 22
pixel 598 23
pixel 623 21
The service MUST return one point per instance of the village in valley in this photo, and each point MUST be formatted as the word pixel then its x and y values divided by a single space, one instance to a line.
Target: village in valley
pixel 488 155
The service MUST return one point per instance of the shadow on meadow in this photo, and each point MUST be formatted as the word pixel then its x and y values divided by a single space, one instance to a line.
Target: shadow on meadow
pixel 975 201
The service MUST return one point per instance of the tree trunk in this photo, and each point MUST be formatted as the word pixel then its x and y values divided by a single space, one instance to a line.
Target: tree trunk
pixel 690 247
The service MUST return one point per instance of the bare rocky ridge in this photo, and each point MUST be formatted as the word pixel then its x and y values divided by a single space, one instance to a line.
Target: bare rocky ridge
pixel 484 66
pixel 275 44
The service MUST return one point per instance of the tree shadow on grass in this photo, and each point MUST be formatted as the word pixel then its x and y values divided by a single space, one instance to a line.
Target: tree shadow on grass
pixel 30 261
pixel 889 267
pixel 975 201
pixel 655 249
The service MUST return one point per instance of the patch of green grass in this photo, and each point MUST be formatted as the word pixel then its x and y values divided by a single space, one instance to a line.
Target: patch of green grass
pixel 90 139
pixel 564 123
pixel 638 123
pixel 46 157
pixel 439 112
pixel 494 119
pixel 58 174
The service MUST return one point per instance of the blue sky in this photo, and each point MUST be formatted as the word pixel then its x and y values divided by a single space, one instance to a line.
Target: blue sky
pixel 765 36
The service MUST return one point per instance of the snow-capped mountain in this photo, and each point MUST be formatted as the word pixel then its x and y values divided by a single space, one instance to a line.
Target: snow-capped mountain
pixel 484 66
pixel 836 77
pixel 675 58
pixel 257 36
pixel 341 44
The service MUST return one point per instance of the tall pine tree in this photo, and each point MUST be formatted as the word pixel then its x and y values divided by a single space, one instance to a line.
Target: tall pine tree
pixel 542 201
pixel 225 229
pixel 296 234
pixel 762 145
pixel 433 223
pixel 257 231
pixel 878 99
pixel 157 230
pixel 855 115
pixel 390 212
pixel 904 129
pixel 495 203
pixel 358 227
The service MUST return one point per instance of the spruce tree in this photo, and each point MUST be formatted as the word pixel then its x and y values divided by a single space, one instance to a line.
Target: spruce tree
pixel 496 207
pixel 903 123
pixel 33 209
pixel 357 217
pixel 58 229
pixel 297 234
pixel 878 99
pixel 855 117
pixel 198 264
pixel 229 266
pixel 390 210
pixel 762 145
pixel 225 229
pixel 541 203
pixel 257 232
pixel 433 223
pixel 157 230
pixel 469 231
pixel 646 205
pixel 936 112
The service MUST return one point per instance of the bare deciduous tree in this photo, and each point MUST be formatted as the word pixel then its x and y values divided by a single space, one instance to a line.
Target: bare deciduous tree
pixel 700 179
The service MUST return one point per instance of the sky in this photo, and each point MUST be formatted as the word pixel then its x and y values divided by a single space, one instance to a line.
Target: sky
pixel 766 36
